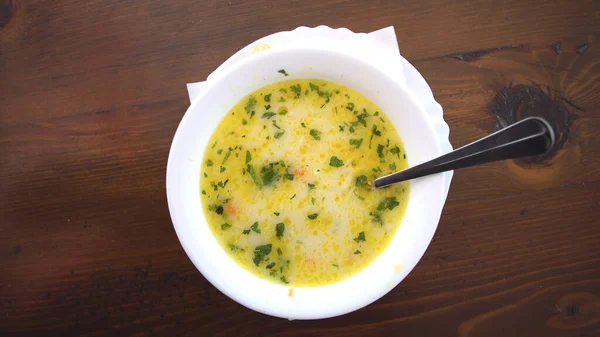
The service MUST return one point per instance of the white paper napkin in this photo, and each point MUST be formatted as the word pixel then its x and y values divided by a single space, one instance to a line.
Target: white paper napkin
pixel 380 47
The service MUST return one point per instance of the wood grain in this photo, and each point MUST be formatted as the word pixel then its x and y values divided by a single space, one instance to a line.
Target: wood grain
pixel 91 93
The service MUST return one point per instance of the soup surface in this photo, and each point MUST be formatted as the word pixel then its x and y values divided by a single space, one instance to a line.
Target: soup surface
pixel 286 182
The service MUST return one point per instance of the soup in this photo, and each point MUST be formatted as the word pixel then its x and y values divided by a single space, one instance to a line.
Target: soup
pixel 286 182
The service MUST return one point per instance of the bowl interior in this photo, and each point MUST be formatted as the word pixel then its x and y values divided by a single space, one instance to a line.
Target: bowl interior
pixel 183 177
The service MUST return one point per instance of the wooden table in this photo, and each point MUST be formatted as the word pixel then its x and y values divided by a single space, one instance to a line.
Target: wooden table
pixel 91 93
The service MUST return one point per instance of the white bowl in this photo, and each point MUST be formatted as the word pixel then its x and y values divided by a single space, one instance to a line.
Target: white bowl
pixel 221 93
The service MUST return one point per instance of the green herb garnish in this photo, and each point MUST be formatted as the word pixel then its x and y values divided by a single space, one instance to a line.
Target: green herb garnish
pixel 225 226
pixel 293 196
pixel 350 106
pixel 255 228
pixel 297 89
pixel 316 134
pixel 267 97
pixel 283 111
pixel 360 237
pixel 276 213
pixel 260 252
pixel 246 231
pixel 282 71
pixel 248 156
pixel 271 265
pixel 313 87
pixel 380 150
pixel 244 121
pixel 209 163
pixel 357 252
pixel 356 142
pixel 222 169
pixel 254 175
pixel 234 248
pixel 279 228
pixel 284 280
pixel 268 175
pixel 278 134
pixel 395 150
pixel 288 176
pixel 268 114
pixel 392 166
pixel 313 216
pixel 250 106
pixel 336 162
pixel 361 181
pixel 311 186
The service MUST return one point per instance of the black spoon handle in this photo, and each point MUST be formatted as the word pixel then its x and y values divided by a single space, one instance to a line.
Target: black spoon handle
pixel 529 137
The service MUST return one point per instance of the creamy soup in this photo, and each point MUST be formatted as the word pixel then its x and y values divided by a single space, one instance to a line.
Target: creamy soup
pixel 286 182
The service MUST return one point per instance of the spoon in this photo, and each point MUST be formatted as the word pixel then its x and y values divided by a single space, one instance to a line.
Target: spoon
pixel 529 137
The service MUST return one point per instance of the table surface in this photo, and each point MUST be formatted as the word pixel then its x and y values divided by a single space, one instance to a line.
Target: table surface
pixel 91 93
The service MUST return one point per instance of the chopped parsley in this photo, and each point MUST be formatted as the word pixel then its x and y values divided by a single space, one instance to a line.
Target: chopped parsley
pixel 246 231
pixel 255 228
pixel 284 280
pixel 271 265
pixel 316 134
pixel 297 89
pixel 288 176
pixel 260 252
pixel 268 175
pixel 293 196
pixel 234 248
pixel 279 229
pixel 244 121
pixel 282 71
pixel 380 150
pixel 267 98
pixel 357 252
pixel 209 163
pixel 335 265
pixel 250 106
pixel 313 216
pixel 395 150
pixel 313 87
pixel 281 99
pixel 222 169
pixel 225 226
pixel 248 156
pixel 356 142
pixel 361 118
pixel 360 237
pixel 336 162
pixel 361 181
pixel 376 113
pixel 311 186
pixel 375 131
pixel 219 151
pixel 226 156
pixel 350 106
pixel 254 175
pixel 279 252
pixel 268 114
pixel 276 213
pixel 217 208
pixel 283 111
pixel 278 134
pixel 392 166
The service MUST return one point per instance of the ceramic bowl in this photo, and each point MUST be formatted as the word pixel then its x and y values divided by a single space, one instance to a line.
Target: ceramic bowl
pixel 221 93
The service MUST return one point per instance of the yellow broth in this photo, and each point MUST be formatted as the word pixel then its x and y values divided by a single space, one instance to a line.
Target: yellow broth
pixel 286 182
